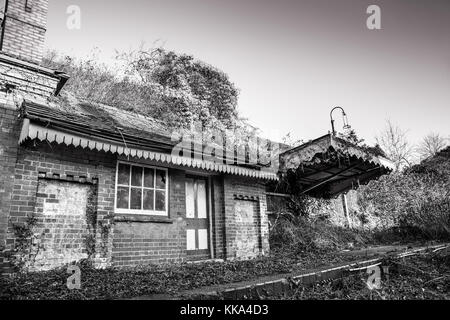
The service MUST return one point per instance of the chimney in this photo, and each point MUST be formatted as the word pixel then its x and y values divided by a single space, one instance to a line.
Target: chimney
pixel 23 27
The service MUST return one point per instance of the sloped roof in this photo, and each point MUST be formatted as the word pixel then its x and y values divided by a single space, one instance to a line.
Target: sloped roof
pixel 329 165
pixel 102 120
pixel 101 127
pixel 307 152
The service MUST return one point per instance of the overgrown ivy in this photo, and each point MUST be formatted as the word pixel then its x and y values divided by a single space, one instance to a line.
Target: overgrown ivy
pixel 91 221
pixel 23 244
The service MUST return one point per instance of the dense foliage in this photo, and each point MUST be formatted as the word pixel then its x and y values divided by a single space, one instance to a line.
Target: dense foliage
pixel 416 200
pixel 175 88
pixel 402 206
pixel 194 90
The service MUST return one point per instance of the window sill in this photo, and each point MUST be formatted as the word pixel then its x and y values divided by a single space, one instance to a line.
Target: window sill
pixel 140 218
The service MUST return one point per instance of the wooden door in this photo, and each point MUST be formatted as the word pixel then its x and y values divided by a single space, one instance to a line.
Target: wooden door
pixel 197 218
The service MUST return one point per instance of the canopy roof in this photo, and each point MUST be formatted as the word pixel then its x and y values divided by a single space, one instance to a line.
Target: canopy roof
pixel 104 128
pixel 322 167
pixel 328 166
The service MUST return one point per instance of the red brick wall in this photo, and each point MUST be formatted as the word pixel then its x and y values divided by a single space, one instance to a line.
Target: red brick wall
pixel 238 188
pixel 60 163
pixel 133 240
pixel 63 224
pixel 218 218
pixel 24 33
pixel 141 240
pixel 9 136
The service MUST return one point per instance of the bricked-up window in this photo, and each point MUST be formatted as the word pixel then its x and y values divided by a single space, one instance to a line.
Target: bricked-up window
pixel 141 189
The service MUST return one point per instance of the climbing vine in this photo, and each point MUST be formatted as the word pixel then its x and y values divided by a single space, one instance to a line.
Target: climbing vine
pixel 105 228
pixel 91 221
pixel 94 225
pixel 23 250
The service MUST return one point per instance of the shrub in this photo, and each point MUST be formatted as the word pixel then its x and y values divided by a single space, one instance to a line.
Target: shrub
pixel 417 201
pixel 303 235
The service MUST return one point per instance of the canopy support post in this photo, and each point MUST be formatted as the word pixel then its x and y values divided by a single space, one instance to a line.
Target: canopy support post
pixel 345 207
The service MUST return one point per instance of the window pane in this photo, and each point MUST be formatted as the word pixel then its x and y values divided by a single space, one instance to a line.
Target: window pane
pixel 201 199
pixel 160 179
pixel 190 239
pixel 124 174
pixel 136 196
pixel 190 204
pixel 160 201
pixel 149 180
pixel 136 176
pixel 202 239
pixel 148 199
pixel 122 197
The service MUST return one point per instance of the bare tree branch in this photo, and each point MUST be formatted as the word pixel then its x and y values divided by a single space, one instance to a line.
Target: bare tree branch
pixel 394 142
pixel 430 145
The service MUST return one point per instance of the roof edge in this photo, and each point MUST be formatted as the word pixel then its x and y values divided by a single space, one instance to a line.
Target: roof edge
pixel 35 131
pixel 61 76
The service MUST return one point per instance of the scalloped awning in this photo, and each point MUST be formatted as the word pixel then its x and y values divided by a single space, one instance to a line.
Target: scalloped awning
pixel 329 165
pixel 36 131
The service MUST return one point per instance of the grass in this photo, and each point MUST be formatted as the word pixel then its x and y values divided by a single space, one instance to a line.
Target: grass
pixel 114 283
pixel 294 247
pixel 419 277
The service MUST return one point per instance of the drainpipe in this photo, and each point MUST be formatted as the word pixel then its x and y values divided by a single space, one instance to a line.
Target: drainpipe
pixel 211 215
pixel 345 207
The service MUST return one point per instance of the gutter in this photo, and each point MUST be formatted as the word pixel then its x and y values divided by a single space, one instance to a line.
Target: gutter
pixel 61 76
pixel 62 81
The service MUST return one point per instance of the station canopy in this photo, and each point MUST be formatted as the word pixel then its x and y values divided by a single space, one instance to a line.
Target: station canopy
pixel 329 165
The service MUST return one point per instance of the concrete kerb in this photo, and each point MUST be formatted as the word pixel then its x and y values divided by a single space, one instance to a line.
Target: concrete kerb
pixel 285 285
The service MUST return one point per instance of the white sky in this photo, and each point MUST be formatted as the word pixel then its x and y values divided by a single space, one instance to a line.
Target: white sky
pixel 292 60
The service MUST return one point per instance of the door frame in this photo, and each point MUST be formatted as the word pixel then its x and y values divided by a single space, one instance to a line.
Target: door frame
pixel 209 205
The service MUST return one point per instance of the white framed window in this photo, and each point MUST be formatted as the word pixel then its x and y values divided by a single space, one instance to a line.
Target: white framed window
pixel 141 189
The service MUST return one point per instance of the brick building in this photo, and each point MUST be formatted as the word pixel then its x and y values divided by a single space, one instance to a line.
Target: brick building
pixel 83 180
pixel 89 180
